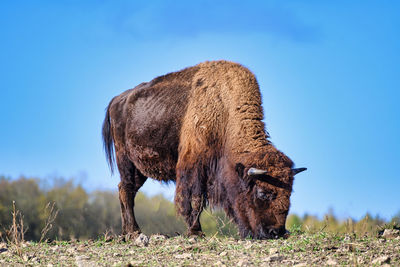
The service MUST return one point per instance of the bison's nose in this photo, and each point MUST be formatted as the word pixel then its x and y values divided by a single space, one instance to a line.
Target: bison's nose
pixel 283 232
pixel 286 234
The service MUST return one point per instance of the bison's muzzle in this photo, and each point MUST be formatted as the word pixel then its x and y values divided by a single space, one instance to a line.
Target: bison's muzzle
pixel 272 233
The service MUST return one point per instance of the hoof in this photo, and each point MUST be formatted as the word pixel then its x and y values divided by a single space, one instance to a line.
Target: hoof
pixel 131 236
pixel 192 233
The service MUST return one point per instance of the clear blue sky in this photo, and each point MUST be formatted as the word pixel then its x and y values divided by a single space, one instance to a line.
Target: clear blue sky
pixel 329 73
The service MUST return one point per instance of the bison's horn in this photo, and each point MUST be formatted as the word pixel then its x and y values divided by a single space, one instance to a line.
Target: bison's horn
pixel 254 171
pixel 298 170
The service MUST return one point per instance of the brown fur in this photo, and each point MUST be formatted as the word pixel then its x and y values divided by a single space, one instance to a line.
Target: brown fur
pixel 202 128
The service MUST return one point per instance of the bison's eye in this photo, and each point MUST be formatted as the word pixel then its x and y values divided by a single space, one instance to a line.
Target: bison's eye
pixel 265 195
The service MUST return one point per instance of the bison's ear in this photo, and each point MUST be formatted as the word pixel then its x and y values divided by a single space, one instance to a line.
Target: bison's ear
pixel 298 170
pixel 240 169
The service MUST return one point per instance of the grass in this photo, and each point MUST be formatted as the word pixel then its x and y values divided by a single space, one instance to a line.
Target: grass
pixel 15 235
pixel 302 248
pixel 306 248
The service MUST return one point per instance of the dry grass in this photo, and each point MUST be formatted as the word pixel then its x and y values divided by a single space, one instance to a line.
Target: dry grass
pixel 304 249
pixel 317 248
pixel 15 235
pixel 51 213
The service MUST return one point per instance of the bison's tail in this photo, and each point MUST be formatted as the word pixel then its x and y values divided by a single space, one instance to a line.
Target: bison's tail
pixel 108 140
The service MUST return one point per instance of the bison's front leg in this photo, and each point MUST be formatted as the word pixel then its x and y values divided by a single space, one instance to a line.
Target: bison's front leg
pixel 189 201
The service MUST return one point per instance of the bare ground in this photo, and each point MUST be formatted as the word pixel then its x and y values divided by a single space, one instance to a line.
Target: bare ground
pixel 321 249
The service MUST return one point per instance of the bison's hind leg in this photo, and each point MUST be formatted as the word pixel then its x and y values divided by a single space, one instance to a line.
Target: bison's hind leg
pixel 131 181
pixel 190 199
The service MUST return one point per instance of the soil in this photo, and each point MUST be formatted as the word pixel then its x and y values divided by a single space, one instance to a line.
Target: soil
pixel 321 249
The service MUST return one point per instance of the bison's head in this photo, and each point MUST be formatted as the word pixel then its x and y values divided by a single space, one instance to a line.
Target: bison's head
pixel 264 199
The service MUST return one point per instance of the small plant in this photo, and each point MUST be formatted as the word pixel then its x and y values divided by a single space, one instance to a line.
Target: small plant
pixel 296 229
pixel 51 213
pixel 392 225
pixel 15 236
pixel 108 235
pixel 287 248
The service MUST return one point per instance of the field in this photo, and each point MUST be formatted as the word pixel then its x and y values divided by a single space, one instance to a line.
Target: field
pixel 300 249
pixel 73 220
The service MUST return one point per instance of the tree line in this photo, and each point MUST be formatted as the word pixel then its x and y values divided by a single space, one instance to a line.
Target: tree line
pixel 89 215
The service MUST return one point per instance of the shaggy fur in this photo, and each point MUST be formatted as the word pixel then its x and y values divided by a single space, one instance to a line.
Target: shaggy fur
pixel 202 128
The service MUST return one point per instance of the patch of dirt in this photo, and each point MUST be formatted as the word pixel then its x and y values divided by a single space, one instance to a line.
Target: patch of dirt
pixel 299 250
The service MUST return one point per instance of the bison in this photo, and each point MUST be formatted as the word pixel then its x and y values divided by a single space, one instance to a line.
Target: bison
pixel 201 128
